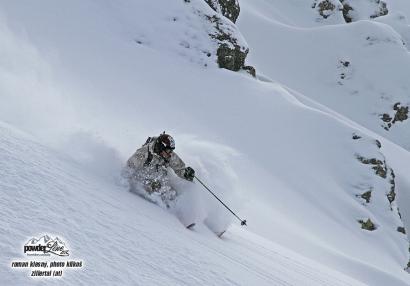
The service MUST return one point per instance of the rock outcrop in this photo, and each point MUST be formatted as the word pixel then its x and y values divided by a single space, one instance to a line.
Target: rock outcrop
pixel 228 8
pixel 367 224
pixel 230 53
pixel 377 189
pixel 351 10
pixel 231 48
pixel 400 114
pixel 324 7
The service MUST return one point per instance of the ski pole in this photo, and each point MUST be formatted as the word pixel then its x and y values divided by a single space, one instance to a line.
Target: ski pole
pixel 243 222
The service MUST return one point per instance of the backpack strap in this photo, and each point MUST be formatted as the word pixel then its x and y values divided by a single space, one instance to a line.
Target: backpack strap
pixel 149 158
pixel 149 140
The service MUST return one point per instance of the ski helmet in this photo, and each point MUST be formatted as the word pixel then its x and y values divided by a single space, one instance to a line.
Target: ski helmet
pixel 165 142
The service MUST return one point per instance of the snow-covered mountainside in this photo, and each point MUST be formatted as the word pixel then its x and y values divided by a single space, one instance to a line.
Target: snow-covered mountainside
pixel 305 154
pixel 355 62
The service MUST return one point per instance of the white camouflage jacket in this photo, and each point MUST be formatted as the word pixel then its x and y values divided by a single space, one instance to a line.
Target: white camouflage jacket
pixel 138 161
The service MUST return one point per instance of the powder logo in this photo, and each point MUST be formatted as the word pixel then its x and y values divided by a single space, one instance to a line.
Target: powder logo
pixel 45 246
pixel 50 258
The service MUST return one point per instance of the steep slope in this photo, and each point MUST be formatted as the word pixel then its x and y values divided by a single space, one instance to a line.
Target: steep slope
pixel 295 169
pixel 121 238
pixel 358 69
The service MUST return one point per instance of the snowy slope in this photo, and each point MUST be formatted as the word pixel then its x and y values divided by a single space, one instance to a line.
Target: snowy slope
pixel 358 69
pixel 91 91
pixel 123 239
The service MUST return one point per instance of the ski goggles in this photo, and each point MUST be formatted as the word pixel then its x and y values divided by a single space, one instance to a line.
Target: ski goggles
pixel 169 151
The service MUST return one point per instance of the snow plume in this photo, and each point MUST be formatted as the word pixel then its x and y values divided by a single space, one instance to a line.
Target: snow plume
pixel 213 164
pixel 93 154
pixel 29 97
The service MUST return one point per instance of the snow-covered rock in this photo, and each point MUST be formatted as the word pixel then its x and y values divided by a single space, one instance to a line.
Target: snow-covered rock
pixel 357 69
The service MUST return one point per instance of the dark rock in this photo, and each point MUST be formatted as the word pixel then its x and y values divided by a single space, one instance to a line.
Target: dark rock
pixel 345 63
pixel 366 196
pixel 392 174
pixel 355 136
pixel 324 7
pixel 379 145
pixel 346 11
pixel 379 6
pixel 229 8
pixel 250 69
pixel 230 54
pixel 386 117
pixel 380 171
pixel 391 196
pixel 401 113
pixel 401 229
pixel 378 165
pixel 382 10
pixel 231 58
pixel 367 225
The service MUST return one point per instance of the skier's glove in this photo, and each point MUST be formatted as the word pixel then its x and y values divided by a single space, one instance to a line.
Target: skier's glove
pixel 189 174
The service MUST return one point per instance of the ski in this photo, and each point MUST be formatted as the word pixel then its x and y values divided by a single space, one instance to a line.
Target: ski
pixel 190 226
pixel 219 234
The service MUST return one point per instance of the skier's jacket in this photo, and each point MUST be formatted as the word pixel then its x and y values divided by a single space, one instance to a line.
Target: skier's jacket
pixel 146 158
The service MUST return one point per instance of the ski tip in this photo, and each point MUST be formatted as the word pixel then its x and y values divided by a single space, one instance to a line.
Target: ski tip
pixel 220 233
pixel 190 225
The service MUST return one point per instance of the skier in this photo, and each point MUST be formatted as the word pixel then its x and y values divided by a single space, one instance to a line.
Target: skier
pixel 148 168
